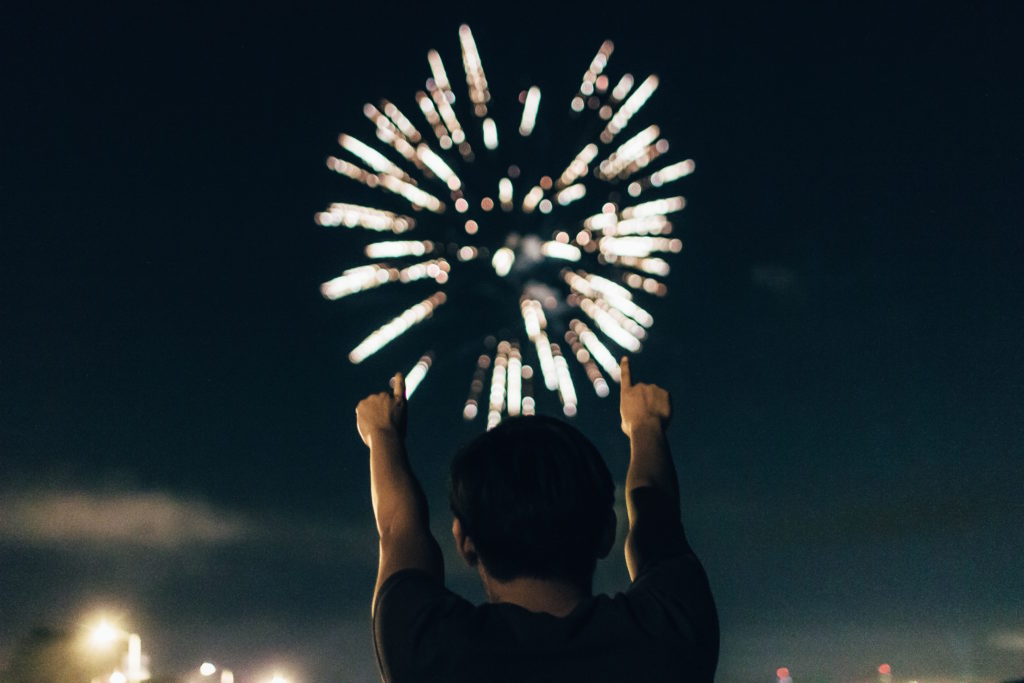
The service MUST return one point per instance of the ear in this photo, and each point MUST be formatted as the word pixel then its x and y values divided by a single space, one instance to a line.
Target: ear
pixel 608 535
pixel 463 543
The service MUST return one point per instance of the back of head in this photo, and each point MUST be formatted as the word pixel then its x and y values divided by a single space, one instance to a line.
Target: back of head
pixel 536 497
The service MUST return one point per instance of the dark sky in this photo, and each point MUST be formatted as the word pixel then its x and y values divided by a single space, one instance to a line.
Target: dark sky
pixel 842 336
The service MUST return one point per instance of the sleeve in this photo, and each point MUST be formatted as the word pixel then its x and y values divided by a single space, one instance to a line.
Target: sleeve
pixel 416 619
pixel 671 592
pixel 658 533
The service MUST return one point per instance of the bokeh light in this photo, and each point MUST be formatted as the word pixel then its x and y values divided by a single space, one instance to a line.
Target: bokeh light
pixel 618 251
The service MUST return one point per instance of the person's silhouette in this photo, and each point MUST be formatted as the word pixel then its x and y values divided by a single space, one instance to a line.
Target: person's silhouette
pixel 532 503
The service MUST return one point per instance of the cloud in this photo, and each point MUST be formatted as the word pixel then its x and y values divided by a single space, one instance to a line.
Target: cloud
pixel 1012 641
pixel 145 519
pixel 191 573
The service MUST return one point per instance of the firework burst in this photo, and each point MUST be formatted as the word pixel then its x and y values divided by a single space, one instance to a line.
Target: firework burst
pixel 570 254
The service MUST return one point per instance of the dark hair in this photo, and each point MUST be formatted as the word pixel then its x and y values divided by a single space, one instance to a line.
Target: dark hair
pixel 536 497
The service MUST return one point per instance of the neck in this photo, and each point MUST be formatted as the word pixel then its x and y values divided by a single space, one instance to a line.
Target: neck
pixel 557 597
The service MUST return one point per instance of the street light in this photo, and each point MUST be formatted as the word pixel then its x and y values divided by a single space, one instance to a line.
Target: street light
pixel 106 634
pixel 208 669
pixel 103 635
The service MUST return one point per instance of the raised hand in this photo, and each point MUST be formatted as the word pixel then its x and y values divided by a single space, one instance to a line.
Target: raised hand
pixel 382 413
pixel 642 405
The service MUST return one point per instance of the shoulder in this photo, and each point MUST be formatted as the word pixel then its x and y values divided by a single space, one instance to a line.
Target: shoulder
pixel 414 617
pixel 672 598
pixel 678 575
pixel 408 592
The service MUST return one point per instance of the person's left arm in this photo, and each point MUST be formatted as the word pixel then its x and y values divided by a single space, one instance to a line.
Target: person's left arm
pixel 399 504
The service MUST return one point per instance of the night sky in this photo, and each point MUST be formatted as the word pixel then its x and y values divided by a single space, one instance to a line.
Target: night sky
pixel 842 336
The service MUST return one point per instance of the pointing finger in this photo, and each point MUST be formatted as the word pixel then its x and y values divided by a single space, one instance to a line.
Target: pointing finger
pixel 399 385
pixel 624 379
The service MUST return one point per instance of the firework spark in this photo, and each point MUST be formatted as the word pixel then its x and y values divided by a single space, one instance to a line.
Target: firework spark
pixel 564 269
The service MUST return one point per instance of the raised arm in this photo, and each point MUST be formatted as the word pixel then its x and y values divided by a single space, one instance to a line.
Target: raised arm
pixel 652 490
pixel 399 505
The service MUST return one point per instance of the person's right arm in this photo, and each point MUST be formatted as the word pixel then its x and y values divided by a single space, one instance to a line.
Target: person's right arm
pixel 399 505
pixel 652 490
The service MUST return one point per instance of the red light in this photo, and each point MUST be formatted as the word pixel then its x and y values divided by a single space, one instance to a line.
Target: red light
pixel 782 672
pixel 884 669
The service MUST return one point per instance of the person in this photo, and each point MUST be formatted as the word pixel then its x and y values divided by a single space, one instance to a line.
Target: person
pixel 532 504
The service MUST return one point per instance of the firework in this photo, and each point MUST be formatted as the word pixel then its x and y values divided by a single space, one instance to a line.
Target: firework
pixel 567 273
